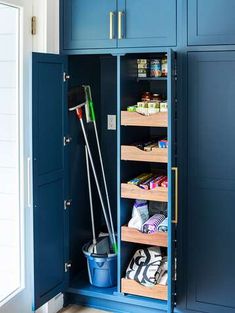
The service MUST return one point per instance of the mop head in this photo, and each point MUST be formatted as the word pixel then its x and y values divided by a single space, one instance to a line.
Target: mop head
pixel 102 246
pixel 77 98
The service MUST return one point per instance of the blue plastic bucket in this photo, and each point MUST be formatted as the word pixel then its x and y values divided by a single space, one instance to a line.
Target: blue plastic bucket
pixel 102 269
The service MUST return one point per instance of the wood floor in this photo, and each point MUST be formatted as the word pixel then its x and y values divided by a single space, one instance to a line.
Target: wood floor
pixel 78 309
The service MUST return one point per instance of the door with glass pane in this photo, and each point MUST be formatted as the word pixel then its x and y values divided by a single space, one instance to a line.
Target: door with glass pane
pixel 15 203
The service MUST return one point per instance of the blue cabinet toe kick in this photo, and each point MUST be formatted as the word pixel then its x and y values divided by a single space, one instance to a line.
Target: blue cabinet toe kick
pixel 116 302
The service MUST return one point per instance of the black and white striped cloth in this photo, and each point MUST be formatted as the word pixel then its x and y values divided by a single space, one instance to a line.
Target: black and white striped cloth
pixel 144 266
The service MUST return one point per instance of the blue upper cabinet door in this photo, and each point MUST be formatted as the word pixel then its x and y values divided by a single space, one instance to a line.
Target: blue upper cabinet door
pixel 49 176
pixel 146 23
pixel 211 22
pixel 211 182
pixel 89 24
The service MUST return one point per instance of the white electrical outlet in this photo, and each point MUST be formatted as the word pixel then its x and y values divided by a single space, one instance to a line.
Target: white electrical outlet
pixel 112 122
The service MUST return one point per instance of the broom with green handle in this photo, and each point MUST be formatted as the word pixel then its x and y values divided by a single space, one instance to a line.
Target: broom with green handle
pixel 90 115
pixel 75 97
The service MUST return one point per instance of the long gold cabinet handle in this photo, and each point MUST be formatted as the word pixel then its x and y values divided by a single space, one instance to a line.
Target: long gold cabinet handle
pixel 175 169
pixel 111 25
pixel 120 31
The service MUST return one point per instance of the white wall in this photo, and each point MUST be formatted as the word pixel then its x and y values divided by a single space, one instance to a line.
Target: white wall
pixel 47 37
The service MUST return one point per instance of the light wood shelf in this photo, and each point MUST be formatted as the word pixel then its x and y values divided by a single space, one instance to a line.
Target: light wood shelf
pixel 132 287
pixel 135 119
pixel 129 191
pixel 162 78
pixel 129 234
pixel 132 153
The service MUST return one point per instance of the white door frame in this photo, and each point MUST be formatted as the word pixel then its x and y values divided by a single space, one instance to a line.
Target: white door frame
pixel 22 300
pixel 47 34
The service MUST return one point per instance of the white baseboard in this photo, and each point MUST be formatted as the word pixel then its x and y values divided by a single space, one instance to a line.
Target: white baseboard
pixel 53 306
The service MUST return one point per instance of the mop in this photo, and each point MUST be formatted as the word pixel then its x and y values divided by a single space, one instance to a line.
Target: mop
pixel 91 118
pixel 76 96
pixel 92 248
pixel 100 245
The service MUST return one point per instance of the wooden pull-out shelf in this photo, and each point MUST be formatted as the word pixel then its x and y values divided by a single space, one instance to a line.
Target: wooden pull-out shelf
pixel 135 119
pixel 132 287
pixel 129 191
pixel 132 153
pixel 129 234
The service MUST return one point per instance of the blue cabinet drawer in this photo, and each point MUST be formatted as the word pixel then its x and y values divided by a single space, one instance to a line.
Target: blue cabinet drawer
pixel 211 22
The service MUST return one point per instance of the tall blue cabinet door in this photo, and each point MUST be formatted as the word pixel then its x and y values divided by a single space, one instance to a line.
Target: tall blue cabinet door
pixel 88 24
pixel 211 22
pixel 49 176
pixel 172 177
pixel 146 23
pixel 211 182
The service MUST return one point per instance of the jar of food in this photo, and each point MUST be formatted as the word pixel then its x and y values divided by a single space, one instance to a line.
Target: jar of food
pixel 155 68
pixel 163 106
pixel 146 96
pixel 156 97
pixel 143 67
pixel 164 67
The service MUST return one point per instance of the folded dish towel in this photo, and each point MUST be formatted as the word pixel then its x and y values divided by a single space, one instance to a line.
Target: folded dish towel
pixel 163 227
pixel 140 214
pixel 151 225
pixel 144 266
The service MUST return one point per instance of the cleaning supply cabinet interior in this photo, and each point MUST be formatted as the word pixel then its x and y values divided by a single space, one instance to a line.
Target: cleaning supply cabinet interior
pixel 63 227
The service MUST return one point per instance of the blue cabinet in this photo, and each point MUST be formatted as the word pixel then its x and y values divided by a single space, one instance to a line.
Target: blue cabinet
pixel 49 176
pixel 86 24
pixel 59 234
pixel 211 22
pixel 146 23
pixel 117 23
pixel 211 182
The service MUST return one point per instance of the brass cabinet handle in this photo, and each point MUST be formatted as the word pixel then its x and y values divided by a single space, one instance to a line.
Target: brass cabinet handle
pixel 120 15
pixel 175 169
pixel 111 17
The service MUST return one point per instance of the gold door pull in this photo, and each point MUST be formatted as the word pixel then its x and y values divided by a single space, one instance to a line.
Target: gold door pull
pixel 175 169
pixel 111 25
pixel 120 34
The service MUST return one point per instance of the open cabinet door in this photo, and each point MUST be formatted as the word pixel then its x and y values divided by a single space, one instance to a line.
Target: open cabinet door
pixel 173 179
pixel 49 175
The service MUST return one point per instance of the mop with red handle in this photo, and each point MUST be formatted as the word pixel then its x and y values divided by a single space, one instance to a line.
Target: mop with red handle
pixel 74 96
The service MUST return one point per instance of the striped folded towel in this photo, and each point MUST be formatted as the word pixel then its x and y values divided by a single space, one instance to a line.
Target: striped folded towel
pixel 151 225
pixel 144 266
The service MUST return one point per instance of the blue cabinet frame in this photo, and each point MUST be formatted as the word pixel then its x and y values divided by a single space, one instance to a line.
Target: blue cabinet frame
pixel 51 239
